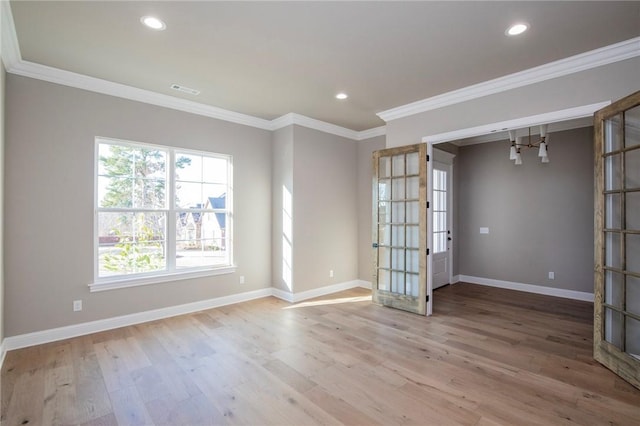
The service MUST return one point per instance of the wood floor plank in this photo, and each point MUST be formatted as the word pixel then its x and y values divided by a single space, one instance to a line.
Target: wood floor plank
pixel 487 356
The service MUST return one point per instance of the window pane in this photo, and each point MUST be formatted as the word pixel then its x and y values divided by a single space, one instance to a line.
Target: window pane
pixel 632 338
pixel 131 177
pixel 413 188
pixel 633 253
pixel 384 212
pixel 412 284
pixel 413 262
pixel 398 189
pixel 150 163
pixel 384 167
pixel 632 169
pixel 115 192
pixel 199 253
pixel 384 258
pixel 188 167
pixel 214 170
pixel 439 242
pixel 384 234
pixel 413 163
pixel 115 160
pixel 215 196
pixel 613 257
pixel 632 127
pixel 397 282
pixel 413 236
pixel 612 172
pixel 397 236
pixel 189 195
pixel 201 239
pixel 633 295
pixel 384 192
pixel 413 212
pixel 632 208
pixel 612 140
pixel 613 289
pixel 149 194
pixel 397 259
pixel 612 211
pixel 398 165
pixel 613 327
pixel 397 212
pixel 439 180
pixel 131 243
pixel 384 280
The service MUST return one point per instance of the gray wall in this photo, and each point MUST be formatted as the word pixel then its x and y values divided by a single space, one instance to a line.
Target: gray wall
pixel 2 112
pixel 282 161
pixel 609 82
pixel 50 132
pixel 325 229
pixel 365 176
pixel 540 216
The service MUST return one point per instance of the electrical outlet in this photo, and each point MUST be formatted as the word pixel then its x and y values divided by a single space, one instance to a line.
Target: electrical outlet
pixel 77 305
pixel 552 275
pixel 330 273
pixel 241 279
pixel 484 230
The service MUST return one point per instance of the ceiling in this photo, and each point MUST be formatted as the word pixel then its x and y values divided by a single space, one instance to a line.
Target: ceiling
pixel 267 59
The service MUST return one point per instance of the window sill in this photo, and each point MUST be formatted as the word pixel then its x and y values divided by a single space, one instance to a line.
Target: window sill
pixel 113 284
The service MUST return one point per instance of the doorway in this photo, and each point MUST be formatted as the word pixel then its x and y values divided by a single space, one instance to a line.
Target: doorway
pixel 442 195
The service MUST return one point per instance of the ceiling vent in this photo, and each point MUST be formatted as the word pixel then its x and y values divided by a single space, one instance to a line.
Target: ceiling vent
pixel 185 89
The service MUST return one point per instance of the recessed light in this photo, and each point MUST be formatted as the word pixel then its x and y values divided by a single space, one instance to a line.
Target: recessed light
pixel 516 29
pixel 153 23
pixel 342 96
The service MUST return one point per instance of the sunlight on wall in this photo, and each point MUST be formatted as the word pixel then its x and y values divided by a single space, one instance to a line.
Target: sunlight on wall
pixel 287 239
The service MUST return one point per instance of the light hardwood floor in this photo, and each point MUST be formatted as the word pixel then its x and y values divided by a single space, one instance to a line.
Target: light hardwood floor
pixel 487 356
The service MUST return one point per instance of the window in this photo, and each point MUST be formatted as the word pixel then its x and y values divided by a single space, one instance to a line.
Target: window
pixel 440 227
pixel 160 211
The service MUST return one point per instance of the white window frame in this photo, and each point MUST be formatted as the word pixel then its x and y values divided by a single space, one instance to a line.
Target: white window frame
pixel 171 273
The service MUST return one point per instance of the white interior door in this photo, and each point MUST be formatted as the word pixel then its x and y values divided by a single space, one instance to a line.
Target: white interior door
pixel 442 220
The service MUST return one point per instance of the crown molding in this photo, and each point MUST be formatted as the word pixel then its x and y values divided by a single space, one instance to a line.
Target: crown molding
pixel 79 81
pixel 518 123
pixel 311 123
pixel 10 48
pixel 573 64
pixel 14 64
pixel 372 133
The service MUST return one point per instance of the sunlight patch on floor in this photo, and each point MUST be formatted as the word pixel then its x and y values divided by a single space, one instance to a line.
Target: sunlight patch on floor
pixel 330 302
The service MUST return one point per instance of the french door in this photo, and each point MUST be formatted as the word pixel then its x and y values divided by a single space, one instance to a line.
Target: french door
pixel 400 228
pixel 617 238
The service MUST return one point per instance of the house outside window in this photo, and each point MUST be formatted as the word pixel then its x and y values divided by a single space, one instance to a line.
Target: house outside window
pixel 160 211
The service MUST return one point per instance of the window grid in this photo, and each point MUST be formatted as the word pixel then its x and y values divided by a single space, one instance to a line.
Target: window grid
pixel 135 238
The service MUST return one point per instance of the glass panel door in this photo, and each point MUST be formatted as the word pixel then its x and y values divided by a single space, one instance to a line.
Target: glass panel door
pixel 617 238
pixel 399 228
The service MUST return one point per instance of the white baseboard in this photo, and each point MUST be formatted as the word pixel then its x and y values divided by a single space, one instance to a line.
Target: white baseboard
pixel 317 292
pixel 529 288
pixel 287 296
pixel 455 279
pixel 365 284
pixel 61 333
pixel 3 352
